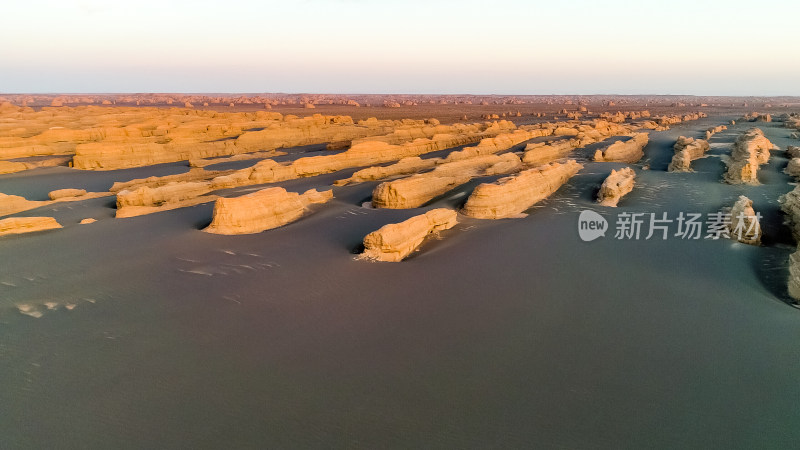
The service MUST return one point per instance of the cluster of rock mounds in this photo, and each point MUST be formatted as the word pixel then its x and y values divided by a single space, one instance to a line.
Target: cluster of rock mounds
pixel 750 151
pixel 364 153
pixel 461 166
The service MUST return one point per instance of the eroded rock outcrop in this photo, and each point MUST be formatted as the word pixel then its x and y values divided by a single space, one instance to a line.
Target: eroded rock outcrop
pixel 541 153
pixel 744 225
pixel 793 168
pixel 510 196
pixel 11 204
pixel 147 200
pixel 714 130
pixel 616 186
pixel 629 151
pixel 686 151
pixel 19 225
pixel 405 166
pixel 66 193
pixel 394 242
pixel 750 151
pixel 790 204
pixel 416 190
pixel 239 157
pixel 262 210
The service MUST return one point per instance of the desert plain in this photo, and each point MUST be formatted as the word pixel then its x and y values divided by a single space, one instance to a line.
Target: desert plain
pixel 380 271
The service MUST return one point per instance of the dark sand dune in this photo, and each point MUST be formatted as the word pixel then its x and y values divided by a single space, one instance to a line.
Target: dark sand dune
pixel 506 334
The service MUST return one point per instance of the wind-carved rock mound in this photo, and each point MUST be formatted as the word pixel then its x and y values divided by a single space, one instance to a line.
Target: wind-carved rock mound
pixel 405 166
pixel 793 168
pixel 195 174
pixel 66 193
pixel 750 151
pixel 714 130
pixel 262 210
pixel 146 200
pixel 616 186
pixel 19 225
pixel 744 225
pixel 416 190
pixel 394 242
pixel 629 151
pixel 510 196
pixel 686 151
pixel 790 204
pixel 11 204
pixel 541 153
pixel 497 144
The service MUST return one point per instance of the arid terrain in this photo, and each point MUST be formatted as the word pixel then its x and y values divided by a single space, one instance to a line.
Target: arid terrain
pixel 304 270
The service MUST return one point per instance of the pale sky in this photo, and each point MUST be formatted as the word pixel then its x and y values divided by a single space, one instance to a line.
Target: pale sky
pixel 358 46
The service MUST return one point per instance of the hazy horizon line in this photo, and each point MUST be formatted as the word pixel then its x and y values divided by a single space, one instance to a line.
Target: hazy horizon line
pixel 400 93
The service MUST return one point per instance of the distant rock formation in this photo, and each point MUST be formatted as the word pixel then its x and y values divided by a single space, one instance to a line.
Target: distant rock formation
pixel 394 242
pixel 288 131
pixel 262 210
pixel 686 151
pixel 19 225
pixel 750 150
pixel 510 196
pixel 365 153
pixel 714 130
pixel 615 186
pixel 629 151
pixel 744 225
